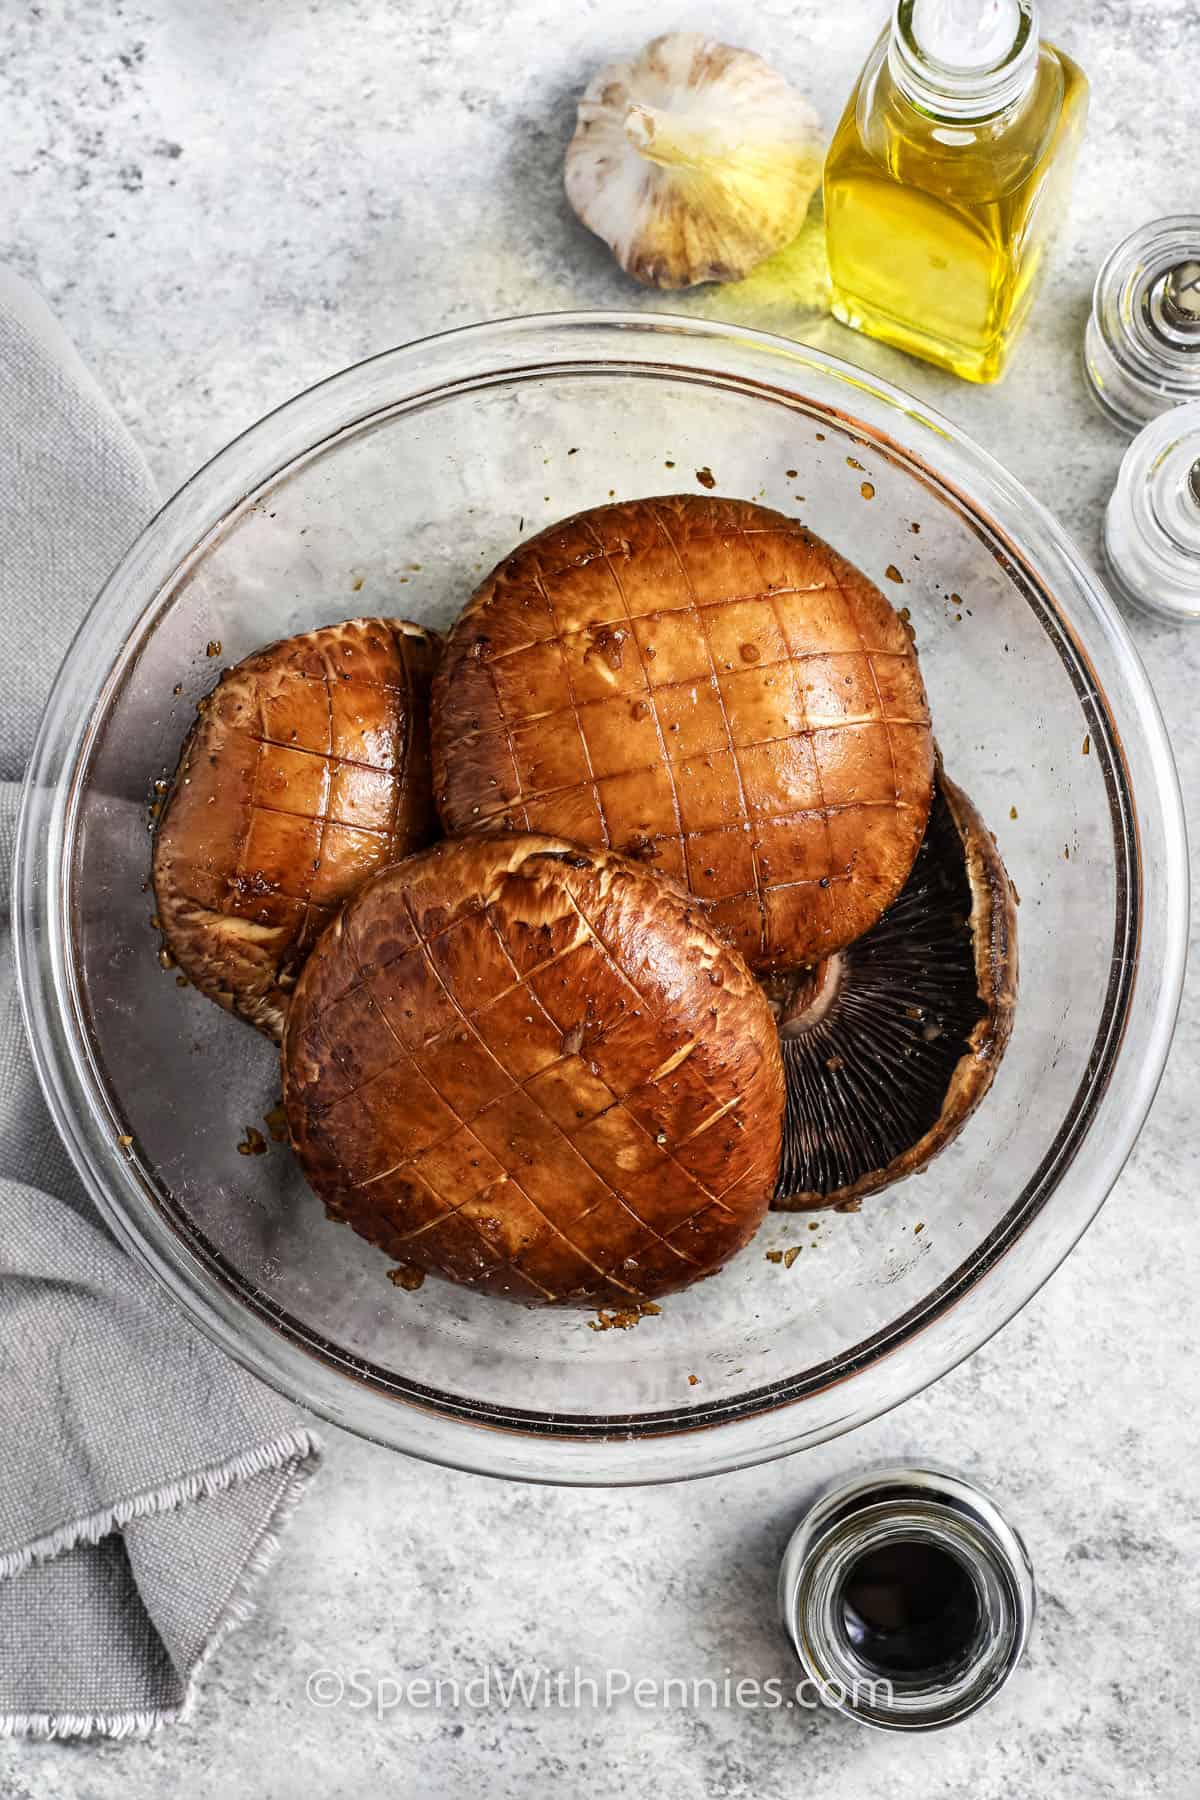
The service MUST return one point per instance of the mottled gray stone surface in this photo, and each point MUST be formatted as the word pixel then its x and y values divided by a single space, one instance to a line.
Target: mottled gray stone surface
pixel 226 200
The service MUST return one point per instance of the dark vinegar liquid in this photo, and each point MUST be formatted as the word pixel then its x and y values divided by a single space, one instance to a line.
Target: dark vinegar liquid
pixel 910 1608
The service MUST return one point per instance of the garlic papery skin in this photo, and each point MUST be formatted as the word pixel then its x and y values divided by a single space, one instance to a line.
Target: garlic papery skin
pixel 693 161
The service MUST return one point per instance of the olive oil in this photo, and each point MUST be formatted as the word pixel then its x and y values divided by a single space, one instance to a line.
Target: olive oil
pixel 946 177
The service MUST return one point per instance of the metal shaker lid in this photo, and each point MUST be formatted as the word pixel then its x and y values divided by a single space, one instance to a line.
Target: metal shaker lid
pixel 1142 345
pixel 1152 526
pixel 1180 297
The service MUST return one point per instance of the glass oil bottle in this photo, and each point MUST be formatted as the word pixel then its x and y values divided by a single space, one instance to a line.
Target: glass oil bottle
pixel 946 177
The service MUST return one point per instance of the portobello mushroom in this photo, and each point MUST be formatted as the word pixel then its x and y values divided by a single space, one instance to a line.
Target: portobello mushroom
pixel 532 1069
pixel 705 685
pixel 307 769
pixel 890 1045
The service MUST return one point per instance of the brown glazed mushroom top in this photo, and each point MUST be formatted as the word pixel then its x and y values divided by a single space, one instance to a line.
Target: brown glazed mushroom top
pixel 703 684
pixel 307 769
pixel 533 1069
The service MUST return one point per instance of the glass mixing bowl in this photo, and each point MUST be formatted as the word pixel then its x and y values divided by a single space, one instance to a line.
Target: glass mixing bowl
pixel 391 489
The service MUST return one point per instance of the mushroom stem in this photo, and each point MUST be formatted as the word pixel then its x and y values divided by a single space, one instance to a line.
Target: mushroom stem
pixel 801 998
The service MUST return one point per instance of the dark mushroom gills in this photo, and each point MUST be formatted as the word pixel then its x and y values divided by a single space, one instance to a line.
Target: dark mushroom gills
pixel 890 1045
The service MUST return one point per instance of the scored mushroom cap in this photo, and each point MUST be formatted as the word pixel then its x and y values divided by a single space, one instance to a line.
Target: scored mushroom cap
pixel 533 1069
pixel 889 1046
pixel 306 770
pixel 704 685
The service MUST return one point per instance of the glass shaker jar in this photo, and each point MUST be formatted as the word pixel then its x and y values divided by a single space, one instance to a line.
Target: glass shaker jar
pixel 1152 525
pixel 1141 351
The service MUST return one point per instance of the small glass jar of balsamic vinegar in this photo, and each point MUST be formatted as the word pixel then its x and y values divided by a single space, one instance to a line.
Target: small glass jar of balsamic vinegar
pixel 908 1597
pixel 946 177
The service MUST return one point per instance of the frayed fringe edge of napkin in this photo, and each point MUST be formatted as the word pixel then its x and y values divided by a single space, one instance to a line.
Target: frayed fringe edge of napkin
pixel 301 1447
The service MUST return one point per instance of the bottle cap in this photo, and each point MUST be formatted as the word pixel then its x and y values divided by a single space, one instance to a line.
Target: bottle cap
pixel 908 1597
pixel 1152 526
pixel 1142 345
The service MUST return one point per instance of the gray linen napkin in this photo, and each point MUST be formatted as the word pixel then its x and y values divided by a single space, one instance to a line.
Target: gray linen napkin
pixel 143 1476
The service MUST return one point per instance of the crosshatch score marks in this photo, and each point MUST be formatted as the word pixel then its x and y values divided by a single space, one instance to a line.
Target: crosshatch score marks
pixel 307 769
pixel 704 685
pixel 536 1072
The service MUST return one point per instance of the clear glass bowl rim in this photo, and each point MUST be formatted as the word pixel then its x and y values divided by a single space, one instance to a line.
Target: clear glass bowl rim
pixel 959 1316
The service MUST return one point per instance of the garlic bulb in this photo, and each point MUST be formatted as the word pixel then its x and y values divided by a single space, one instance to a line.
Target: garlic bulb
pixel 693 162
